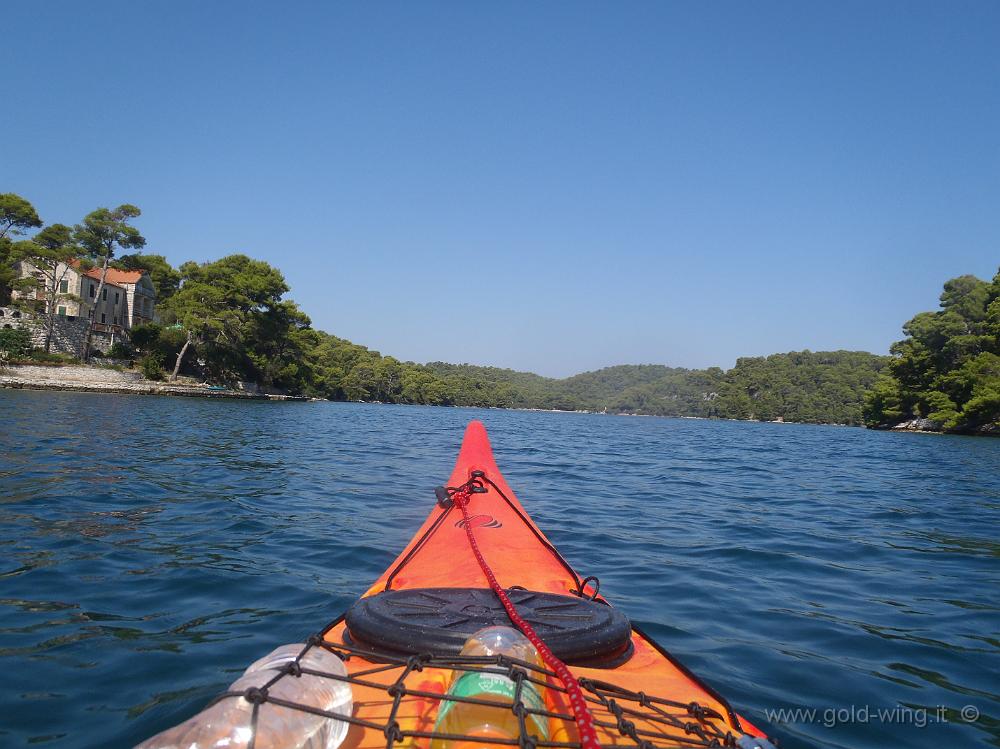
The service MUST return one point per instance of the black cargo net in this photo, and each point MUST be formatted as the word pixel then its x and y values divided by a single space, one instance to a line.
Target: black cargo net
pixel 634 719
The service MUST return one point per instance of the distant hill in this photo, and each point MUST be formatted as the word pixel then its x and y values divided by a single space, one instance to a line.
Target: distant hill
pixel 680 392
pixel 820 387
pixel 586 391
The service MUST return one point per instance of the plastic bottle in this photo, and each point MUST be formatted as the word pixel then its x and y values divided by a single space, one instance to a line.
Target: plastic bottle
pixel 226 724
pixel 487 721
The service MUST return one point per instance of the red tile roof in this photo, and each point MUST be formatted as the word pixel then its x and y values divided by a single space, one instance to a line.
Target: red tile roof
pixel 114 276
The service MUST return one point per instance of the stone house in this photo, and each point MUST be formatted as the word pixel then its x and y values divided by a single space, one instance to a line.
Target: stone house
pixel 127 299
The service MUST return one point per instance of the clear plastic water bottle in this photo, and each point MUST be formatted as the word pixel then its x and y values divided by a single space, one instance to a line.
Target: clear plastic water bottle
pixel 226 724
pixel 485 721
pixel 502 640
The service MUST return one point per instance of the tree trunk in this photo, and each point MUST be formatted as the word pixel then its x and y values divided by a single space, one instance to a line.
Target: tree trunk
pixel 54 297
pixel 50 310
pixel 180 358
pixel 48 332
pixel 97 300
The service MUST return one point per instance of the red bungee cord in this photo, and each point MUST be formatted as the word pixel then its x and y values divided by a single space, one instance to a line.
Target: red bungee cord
pixel 578 703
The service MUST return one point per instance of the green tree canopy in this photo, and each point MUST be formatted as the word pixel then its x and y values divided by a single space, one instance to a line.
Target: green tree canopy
pixel 947 369
pixel 199 309
pixel 49 252
pixel 17 215
pixel 166 279
pixel 101 234
pixel 279 343
pixel 221 305
pixel 105 231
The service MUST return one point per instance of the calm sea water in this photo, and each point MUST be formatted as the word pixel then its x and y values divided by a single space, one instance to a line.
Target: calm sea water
pixel 825 568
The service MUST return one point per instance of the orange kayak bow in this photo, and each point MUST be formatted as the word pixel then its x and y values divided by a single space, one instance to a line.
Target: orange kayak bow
pixel 401 639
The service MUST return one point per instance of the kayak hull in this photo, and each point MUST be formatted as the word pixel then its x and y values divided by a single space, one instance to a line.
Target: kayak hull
pixel 439 557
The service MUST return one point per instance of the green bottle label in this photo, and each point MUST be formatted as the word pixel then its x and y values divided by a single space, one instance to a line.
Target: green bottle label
pixel 498 688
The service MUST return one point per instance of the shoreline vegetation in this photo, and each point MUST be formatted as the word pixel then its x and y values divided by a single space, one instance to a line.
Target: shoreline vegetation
pixel 227 326
pixel 16 378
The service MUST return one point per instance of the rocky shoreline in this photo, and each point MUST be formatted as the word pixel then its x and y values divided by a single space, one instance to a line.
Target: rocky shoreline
pixel 97 379
pixel 926 426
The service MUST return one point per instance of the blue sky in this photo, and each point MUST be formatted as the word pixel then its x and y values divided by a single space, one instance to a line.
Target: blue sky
pixel 545 186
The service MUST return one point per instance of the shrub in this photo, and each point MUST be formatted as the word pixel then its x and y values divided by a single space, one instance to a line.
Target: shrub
pixel 170 342
pixel 38 355
pixel 151 366
pixel 15 342
pixel 144 337
pixel 120 350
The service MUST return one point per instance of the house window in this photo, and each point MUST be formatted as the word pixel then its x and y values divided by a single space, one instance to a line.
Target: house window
pixel 116 297
pixel 62 310
pixel 104 318
pixel 104 295
pixel 93 292
pixel 63 286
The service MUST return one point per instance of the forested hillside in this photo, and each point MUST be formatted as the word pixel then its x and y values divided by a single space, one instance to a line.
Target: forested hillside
pixel 815 387
pixel 820 387
pixel 592 391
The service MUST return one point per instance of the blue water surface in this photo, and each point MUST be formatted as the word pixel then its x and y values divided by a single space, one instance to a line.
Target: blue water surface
pixel 151 547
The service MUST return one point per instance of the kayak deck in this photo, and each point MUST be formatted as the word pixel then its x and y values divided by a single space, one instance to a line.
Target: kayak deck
pixel 396 701
pixel 649 700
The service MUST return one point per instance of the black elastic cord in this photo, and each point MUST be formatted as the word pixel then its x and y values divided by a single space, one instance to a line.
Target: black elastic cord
pixel 583 584
pixel 538 534
pixel 734 719
pixel 473 486
pixel 416 547
pixel 647 720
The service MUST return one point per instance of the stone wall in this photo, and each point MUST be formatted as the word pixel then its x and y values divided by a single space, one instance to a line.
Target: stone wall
pixel 67 336
pixel 71 375
pixel 100 379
